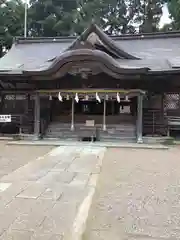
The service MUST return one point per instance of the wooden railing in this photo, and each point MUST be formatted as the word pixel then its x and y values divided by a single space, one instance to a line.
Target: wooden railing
pixel 154 122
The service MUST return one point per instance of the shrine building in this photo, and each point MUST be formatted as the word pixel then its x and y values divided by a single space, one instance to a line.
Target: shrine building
pixel 91 87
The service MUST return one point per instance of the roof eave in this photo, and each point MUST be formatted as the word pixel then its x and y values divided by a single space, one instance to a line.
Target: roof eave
pixel 164 72
pixel 87 55
pixel 11 72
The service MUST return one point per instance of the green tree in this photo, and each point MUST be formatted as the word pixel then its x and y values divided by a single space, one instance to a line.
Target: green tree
pixel 120 16
pixel 114 16
pixel 70 17
pixel 148 15
pixel 174 10
pixel 51 17
pixel 11 19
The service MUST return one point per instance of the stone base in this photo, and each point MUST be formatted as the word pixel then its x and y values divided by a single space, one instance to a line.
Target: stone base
pixel 36 137
pixel 140 140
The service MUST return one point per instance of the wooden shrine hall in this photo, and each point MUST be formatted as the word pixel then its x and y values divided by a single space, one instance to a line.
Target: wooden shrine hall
pixel 91 87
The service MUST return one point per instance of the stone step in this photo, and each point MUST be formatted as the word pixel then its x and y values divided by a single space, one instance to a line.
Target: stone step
pixel 62 134
pixel 119 140
pixel 100 135
pixel 99 126
pixel 57 138
pixel 110 139
pixel 85 128
pixel 117 132
pixel 117 137
pixel 109 131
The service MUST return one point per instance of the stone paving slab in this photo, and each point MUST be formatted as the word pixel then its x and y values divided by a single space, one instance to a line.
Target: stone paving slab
pixel 43 197
pixel 137 196
pixel 33 191
pixel 16 235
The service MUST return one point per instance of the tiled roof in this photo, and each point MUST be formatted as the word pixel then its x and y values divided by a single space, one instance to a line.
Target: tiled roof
pixel 158 52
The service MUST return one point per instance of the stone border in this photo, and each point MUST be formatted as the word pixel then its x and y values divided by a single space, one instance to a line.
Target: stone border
pixel 80 222
pixel 95 144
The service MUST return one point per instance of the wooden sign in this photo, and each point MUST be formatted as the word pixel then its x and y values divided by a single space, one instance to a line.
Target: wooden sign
pixel 125 109
pixel 90 123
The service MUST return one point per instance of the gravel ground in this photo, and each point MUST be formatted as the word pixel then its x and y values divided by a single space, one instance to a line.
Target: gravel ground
pixel 137 197
pixel 13 156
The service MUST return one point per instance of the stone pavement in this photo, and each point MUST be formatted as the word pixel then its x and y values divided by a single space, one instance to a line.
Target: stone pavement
pixel 137 196
pixel 41 199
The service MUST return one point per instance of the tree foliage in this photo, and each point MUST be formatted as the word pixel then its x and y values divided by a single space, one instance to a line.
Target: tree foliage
pixel 70 17
pixel 113 16
pixel 174 10
pixel 11 19
pixel 51 17
pixel 149 14
pixel 67 17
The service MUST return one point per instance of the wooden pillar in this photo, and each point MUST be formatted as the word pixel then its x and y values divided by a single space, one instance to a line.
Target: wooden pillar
pixel 2 103
pixel 104 116
pixel 72 115
pixel 37 116
pixel 27 103
pixel 139 118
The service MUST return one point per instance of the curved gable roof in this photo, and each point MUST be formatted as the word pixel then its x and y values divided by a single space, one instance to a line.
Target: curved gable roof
pixel 157 52
pixel 102 60
pixel 105 40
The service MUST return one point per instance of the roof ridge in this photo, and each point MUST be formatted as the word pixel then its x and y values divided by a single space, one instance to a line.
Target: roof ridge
pixel 22 40
pixel 156 35
pixel 94 27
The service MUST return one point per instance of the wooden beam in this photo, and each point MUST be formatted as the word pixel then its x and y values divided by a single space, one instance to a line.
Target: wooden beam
pixel 124 91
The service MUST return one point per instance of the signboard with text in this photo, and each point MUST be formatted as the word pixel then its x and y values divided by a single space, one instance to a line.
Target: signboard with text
pixel 5 118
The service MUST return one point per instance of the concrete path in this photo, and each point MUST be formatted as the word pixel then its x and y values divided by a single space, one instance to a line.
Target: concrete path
pixel 48 198
pixel 137 196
